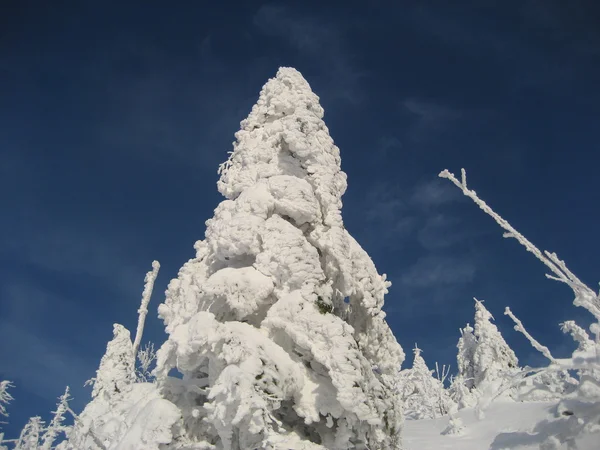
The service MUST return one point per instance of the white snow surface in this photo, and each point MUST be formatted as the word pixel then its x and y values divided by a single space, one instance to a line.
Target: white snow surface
pixel 507 425
pixel 276 326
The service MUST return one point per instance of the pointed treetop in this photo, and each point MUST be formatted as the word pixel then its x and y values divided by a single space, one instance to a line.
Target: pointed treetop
pixel 116 371
pixel 481 311
pixel 285 135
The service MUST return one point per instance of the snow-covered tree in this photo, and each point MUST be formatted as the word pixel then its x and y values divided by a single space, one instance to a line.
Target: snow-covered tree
pixel 493 359
pixel 424 395
pixel 276 325
pixel 460 393
pixel 56 426
pixel 5 398
pixel 29 438
pixel 467 344
pixel 117 367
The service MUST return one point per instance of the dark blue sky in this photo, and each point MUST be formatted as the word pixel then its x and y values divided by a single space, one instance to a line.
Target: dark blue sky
pixel 113 120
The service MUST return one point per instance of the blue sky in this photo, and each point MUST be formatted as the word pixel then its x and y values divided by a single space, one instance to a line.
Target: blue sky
pixel 114 119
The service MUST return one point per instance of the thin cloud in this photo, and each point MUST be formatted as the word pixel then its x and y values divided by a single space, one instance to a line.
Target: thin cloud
pixel 441 231
pixel 432 270
pixel 433 193
pixel 430 120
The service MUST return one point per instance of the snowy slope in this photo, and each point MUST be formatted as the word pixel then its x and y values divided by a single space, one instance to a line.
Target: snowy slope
pixel 498 430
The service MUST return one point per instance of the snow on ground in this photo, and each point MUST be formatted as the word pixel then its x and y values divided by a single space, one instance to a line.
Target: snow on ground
pixel 500 417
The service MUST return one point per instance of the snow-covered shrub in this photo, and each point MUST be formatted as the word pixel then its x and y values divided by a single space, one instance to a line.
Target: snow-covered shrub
pixel 276 326
pixel 424 396
pixel 577 412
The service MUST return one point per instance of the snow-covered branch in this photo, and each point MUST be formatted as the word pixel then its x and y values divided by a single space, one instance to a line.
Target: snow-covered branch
pixel 584 296
pixel 143 311
pixel 535 344
pixel 5 397
pixel 145 358
pixel 578 334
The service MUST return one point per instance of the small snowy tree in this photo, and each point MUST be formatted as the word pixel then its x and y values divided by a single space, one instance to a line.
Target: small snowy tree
pixel 56 426
pixel 465 357
pixel 494 362
pixel 29 438
pixel 424 395
pixel 276 325
pixel 116 372
pixel 5 398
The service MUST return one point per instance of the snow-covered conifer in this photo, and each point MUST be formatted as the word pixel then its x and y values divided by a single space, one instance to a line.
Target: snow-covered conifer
pixel 276 325
pixel 116 372
pixel 465 356
pixel 493 360
pixel 29 438
pixel 424 395
pixel 460 393
pixel 56 426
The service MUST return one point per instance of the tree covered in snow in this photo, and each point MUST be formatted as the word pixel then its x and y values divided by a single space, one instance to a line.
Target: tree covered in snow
pixel 276 325
pixel 29 438
pixel 116 372
pixel 486 363
pixel 5 398
pixel 461 385
pixel 465 358
pixel 56 427
pixel 424 395
pixel 493 360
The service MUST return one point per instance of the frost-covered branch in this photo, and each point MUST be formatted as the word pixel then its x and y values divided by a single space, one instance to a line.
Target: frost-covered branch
pixel 535 344
pixel 145 357
pixel 143 311
pixel 584 296
pixel 442 374
pixel 578 334
pixel 5 397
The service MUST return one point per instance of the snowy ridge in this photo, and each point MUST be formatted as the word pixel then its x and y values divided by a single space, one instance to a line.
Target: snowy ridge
pixel 313 347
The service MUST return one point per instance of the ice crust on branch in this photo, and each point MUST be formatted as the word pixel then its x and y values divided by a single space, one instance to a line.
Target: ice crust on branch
pixel 277 325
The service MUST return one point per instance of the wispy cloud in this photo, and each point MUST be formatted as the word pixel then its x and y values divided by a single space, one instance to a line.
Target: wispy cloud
pixel 433 193
pixel 429 120
pixel 433 271
pixel 318 39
